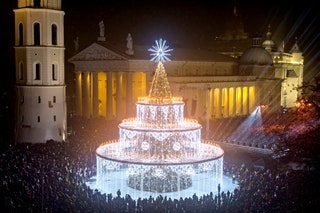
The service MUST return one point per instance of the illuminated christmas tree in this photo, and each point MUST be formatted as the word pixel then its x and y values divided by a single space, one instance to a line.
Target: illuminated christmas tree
pixel 159 150
pixel 160 88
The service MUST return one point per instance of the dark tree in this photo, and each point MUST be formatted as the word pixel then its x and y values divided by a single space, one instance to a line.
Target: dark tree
pixel 299 140
pixel 309 99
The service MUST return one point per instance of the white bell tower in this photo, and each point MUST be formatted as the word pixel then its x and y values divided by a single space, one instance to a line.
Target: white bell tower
pixel 41 113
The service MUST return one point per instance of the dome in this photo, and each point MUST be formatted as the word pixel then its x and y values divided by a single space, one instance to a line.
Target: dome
pixel 268 43
pixel 256 55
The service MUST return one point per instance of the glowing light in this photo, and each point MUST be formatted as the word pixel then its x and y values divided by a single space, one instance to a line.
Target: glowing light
pixel 190 171
pixel 131 171
pixel 263 106
pixel 159 173
pixel 160 51
pixel 145 145
pixel 159 151
pixel 176 146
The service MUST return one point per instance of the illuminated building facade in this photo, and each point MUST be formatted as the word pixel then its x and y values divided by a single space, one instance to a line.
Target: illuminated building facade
pixel 227 79
pixel 288 67
pixel 108 81
pixel 40 78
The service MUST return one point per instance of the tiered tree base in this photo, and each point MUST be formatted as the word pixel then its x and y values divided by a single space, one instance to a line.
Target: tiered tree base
pixel 159 179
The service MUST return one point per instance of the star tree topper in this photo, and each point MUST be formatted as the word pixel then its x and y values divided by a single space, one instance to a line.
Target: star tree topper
pixel 160 51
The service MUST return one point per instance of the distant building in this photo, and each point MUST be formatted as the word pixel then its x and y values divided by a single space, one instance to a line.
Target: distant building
pixel 41 112
pixel 227 79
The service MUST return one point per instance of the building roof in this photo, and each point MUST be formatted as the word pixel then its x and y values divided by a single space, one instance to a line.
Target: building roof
pixel 256 54
pixel 141 53
pixel 178 54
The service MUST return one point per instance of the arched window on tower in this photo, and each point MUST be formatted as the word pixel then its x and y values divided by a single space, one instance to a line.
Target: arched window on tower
pixel 36 34
pixel 54 72
pixel 21 71
pixel 20 34
pixel 22 99
pixel 36 3
pixel 54 34
pixel 37 75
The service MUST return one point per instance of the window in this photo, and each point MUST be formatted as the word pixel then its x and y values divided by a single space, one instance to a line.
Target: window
pixel 54 118
pixel 20 34
pixel 39 99
pixel 37 72
pixel 54 99
pixel 36 34
pixel 38 119
pixel 289 73
pixel 21 71
pixel 36 3
pixel 22 99
pixel 54 34
pixel 54 72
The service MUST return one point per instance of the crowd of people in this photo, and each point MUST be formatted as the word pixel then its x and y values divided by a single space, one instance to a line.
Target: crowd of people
pixel 52 177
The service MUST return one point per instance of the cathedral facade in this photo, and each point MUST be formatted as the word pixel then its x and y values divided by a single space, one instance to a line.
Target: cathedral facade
pixel 215 82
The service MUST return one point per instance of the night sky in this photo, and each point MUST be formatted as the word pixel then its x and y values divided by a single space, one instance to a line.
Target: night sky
pixel 183 23
pixel 186 22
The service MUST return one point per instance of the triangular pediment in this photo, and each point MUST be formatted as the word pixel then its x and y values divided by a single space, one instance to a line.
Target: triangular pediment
pixel 96 52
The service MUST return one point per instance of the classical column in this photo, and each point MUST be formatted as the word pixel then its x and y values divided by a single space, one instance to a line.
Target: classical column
pixel 234 101
pixel 109 95
pixel 149 78
pixel 241 101
pixel 119 112
pixel 252 100
pixel 78 102
pixel 129 101
pixel 219 103
pixel 215 102
pixel 211 103
pixel 86 94
pixel 227 102
pixel 95 95
pixel 247 102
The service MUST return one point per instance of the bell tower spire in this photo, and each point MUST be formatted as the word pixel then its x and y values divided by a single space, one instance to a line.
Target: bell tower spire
pixel 40 84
